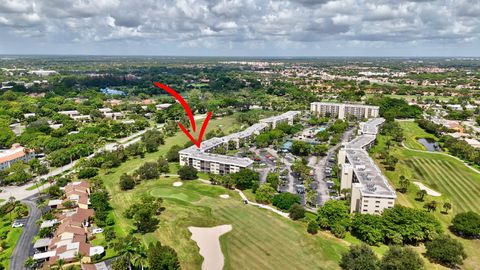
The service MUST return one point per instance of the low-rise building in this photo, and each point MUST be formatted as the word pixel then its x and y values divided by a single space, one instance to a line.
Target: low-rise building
pixel 203 159
pixel 70 240
pixel 344 110
pixel 370 191
pixel 14 154
pixel 70 113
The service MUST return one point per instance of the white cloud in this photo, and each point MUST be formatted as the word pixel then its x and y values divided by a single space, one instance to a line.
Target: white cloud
pixel 244 25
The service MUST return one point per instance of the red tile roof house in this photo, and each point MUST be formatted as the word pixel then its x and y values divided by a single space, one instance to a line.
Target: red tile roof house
pixel 70 241
pixel 14 154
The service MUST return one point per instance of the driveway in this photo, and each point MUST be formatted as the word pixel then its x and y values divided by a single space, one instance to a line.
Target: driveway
pixel 320 165
pixel 24 246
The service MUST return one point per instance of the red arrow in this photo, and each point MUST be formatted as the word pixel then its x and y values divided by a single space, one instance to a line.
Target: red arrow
pixel 187 109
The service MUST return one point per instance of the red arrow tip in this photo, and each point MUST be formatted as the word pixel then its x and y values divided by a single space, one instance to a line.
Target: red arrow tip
pixel 197 142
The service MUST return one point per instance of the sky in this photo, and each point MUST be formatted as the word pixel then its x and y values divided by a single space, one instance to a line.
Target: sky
pixel 241 27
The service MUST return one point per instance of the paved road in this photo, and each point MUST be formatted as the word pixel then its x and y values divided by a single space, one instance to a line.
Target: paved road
pixel 24 247
pixel 22 192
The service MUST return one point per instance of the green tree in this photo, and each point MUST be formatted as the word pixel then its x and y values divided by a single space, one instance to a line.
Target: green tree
pixel 401 258
pixel 285 200
pixel 359 257
pixel 312 227
pixel 172 154
pixel 245 178
pixel 265 193
pixel 466 224
pixel 421 194
pixel 87 172
pixel 335 212
pixel 163 165
pixel 273 179
pixel 162 257
pixel 126 182
pixel 296 212
pixel 7 137
pixel 145 221
pixel 301 148
pixel 187 173
pixel 404 184
pixel 446 207
pixel 127 247
pixel 149 170
pixel 431 206
pixel 445 250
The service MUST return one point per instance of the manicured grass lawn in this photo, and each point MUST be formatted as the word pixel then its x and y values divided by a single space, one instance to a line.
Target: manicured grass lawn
pixel 12 237
pixel 2 200
pixel 412 132
pixel 458 185
pixel 260 239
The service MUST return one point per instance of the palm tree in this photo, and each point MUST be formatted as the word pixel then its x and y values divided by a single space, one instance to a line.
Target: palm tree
pixel 30 263
pixel 140 256
pixel 404 183
pixel 60 264
pixel 447 206
pixel 128 247
pixel 431 206
pixel 11 199
pixel 421 194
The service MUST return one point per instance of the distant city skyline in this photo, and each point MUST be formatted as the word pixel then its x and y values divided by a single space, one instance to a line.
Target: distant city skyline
pixel 241 27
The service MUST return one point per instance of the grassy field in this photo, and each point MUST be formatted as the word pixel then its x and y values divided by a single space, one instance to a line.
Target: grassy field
pixel 412 132
pixel 260 239
pixel 458 185
pixel 13 234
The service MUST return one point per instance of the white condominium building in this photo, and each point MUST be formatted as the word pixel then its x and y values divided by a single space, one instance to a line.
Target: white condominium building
pixel 203 159
pixel 14 154
pixel 370 191
pixel 344 110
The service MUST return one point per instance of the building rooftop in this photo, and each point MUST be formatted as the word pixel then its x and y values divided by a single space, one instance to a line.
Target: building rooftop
pixel 280 117
pixel 368 174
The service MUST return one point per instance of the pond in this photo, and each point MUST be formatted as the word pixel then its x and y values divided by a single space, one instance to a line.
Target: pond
pixel 430 144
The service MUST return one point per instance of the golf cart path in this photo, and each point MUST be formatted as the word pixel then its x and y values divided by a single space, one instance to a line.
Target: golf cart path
pixel 244 198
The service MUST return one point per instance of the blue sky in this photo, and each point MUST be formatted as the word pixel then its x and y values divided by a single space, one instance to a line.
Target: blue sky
pixel 241 27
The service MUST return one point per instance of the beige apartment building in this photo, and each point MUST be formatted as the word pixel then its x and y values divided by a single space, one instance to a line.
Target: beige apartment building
pixel 370 191
pixel 344 110
pixel 204 160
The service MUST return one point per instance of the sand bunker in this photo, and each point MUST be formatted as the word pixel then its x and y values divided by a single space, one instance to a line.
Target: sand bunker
pixel 224 196
pixel 208 240
pixel 177 184
pixel 429 191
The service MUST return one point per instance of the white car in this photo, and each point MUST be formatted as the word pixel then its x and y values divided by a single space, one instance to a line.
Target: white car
pixel 17 225
pixel 97 230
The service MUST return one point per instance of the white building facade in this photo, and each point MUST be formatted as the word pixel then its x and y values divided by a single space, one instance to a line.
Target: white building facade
pixel 344 110
pixel 370 191
pixel 204 160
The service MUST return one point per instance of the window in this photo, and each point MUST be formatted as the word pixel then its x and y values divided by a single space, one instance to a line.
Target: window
pixel 377 201
pixel 390 202
pixel 376 211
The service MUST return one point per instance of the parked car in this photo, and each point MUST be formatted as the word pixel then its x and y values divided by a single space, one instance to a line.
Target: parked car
pixel 97 230
pixel 17 225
